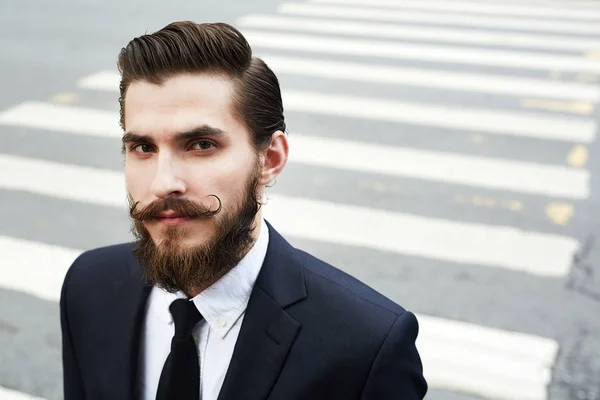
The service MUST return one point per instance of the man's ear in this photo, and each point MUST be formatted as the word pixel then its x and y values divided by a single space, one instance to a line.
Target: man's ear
pixel 275 157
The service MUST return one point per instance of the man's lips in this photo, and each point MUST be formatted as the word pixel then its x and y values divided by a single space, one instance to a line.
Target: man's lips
pixel 169 214
pixel 171 218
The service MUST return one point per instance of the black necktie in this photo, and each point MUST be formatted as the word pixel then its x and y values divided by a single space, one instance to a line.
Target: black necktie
pixel 180 377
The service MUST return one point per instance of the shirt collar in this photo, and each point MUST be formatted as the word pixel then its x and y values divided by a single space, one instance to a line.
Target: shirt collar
pixel 223 303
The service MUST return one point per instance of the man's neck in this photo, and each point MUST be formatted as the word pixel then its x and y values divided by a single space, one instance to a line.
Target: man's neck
pixel 193 292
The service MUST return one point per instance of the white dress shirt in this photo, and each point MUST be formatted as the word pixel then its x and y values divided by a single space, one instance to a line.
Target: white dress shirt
pixel 222 305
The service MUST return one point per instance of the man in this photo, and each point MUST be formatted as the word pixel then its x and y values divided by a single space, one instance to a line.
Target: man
pixel 210 302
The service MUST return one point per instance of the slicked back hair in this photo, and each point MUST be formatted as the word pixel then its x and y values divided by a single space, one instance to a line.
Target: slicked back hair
pixel 186 47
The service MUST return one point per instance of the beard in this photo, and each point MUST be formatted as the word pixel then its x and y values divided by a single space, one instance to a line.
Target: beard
pixel 173 267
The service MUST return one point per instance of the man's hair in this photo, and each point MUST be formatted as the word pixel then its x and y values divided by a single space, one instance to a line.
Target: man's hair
pixel 215 48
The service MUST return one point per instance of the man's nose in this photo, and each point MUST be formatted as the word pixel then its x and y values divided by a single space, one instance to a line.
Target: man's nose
pixel 168 180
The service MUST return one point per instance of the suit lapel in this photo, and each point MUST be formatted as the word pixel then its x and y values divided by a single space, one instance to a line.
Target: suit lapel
pixel 268 331
pixel 129 306
pixel 263 343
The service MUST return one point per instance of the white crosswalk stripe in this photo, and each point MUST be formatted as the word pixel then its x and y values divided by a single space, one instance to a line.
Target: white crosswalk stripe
pixel 472 7
pixel 56 117
pixel 420 52
pixel 525 177
pixel 563 5
pixel 484 361
pixel 400 32
pixel 526 124
pixel 384 39
pixel 487 22
pixel 34 268
pixel 372 73
pixel 9 394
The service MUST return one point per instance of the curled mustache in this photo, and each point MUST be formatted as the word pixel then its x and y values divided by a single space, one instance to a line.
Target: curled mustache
pixel 185 207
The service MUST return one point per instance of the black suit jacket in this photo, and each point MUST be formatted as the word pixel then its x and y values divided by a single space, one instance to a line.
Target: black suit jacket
pixel 310 332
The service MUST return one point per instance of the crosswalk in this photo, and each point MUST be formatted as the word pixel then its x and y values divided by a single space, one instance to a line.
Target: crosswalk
pixel 362 64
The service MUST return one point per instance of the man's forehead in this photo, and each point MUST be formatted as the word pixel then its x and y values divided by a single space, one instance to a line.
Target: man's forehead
pixel 185 88
pixel 179 104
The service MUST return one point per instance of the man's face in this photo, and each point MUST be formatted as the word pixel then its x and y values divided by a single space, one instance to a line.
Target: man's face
pixel 187 155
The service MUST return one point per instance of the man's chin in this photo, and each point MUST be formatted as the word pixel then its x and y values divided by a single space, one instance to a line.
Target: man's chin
pixel 173 244
pixel 179 244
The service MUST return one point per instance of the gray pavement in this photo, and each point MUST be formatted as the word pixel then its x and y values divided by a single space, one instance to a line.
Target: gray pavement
pixel 47 47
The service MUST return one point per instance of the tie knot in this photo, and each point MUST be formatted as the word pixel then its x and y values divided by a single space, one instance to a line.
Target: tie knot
pixel 185 315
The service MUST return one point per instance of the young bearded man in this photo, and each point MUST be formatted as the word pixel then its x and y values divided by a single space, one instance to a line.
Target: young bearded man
pixel 210 302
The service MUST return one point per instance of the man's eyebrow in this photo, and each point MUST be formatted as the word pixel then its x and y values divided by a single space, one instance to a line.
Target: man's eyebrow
pixel 134 137
pixel 200 131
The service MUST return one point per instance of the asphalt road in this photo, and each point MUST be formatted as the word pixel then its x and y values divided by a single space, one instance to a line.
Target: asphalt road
pixel 451 170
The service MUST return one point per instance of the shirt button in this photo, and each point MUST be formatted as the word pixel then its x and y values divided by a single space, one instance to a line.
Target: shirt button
pixel 221 323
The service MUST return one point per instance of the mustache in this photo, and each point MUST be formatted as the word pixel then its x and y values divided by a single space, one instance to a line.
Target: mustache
pixel 187 208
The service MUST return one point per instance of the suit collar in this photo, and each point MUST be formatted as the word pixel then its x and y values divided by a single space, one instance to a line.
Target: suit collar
pixel 223 303
pixel 131 294
pixel 268 331
pixel 282 273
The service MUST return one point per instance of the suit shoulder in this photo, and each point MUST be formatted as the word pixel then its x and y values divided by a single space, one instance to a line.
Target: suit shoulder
pixel 107 255
pixel 108 261
pixel 352 290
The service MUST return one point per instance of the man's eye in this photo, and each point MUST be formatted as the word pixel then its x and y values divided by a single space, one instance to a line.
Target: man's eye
pixel 142 148
pixel 203 145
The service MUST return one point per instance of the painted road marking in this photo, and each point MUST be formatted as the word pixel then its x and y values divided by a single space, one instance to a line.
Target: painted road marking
pixel 84 184
pixel 63 118
pixel 489 202
pixel 407 32
pixel 480 21
pixel 587 77
pixel 518 176
pixel 438 79
pixel 472 8
pixel 572 107
pixel 514 123
pixel 479 244
pixel 34 268
pixel 441 79
pixel 578 156
pixel 593 54
pixel 560 213
pixel 486 362
pixel 64 98
pixel 102 80
pixel 420 52
pixel 9 394
pixel 476 138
